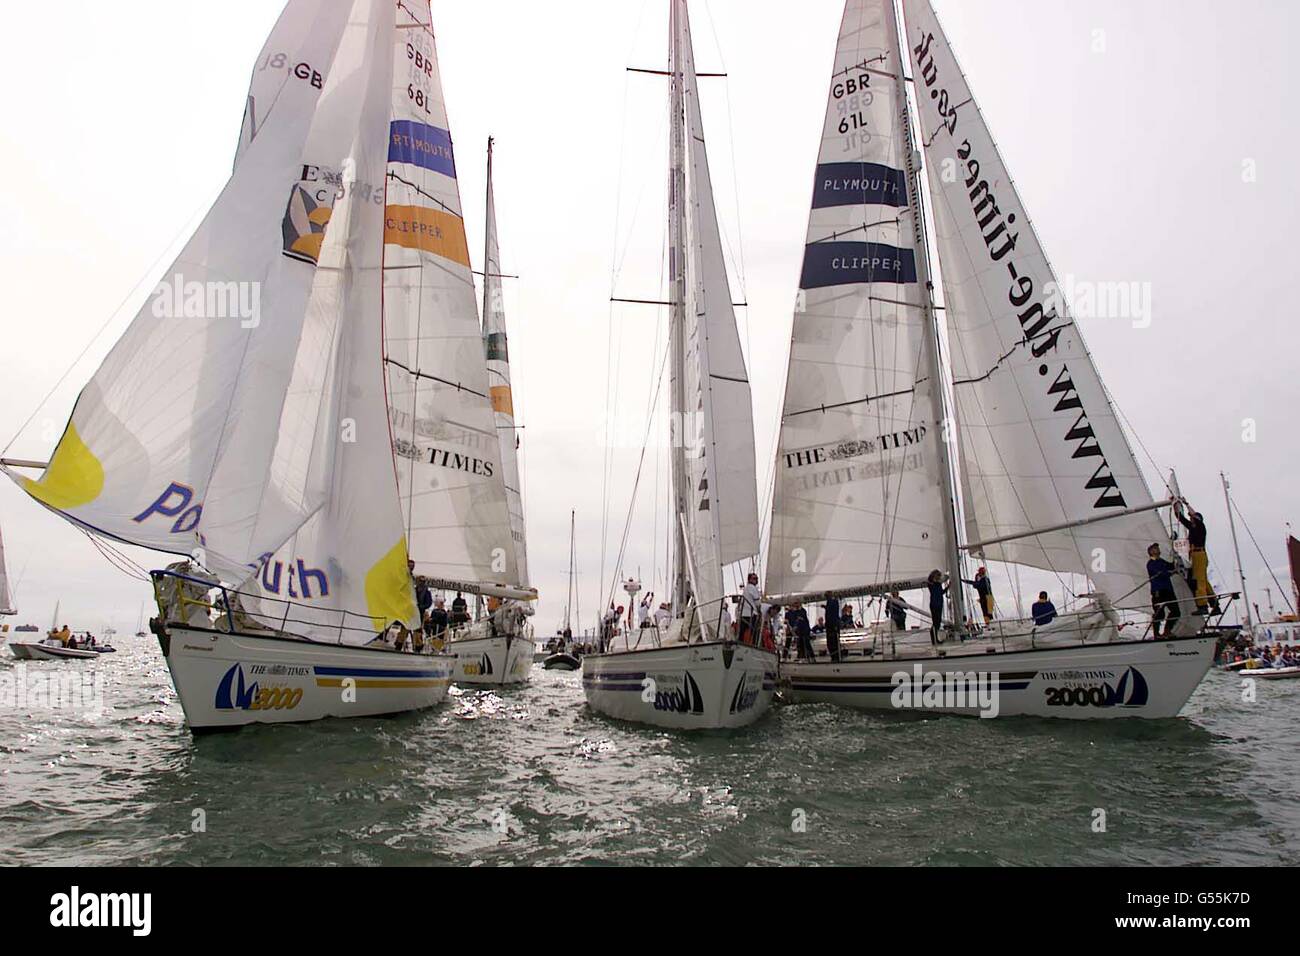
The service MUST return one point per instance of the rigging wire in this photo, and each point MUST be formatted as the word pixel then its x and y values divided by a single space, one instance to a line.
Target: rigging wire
pixel 1286 597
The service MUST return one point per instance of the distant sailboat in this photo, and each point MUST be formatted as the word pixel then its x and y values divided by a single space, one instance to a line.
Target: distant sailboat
pixel 324 419
pixel 866 492
pixel 7 607
pixel 139 628
pixel 500 648
pixel 692 674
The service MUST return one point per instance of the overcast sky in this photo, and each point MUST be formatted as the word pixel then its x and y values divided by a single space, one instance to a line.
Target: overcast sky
pixel 1153 141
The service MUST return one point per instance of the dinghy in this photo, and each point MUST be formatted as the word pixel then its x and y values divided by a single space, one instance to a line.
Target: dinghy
pixel 1273 673
pixel 328 413
pixel 872 466
pixel 49 650
pixel 691 674
pixel 562 661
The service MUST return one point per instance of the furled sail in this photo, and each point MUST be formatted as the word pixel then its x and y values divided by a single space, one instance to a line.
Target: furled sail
pixel 169 445
pixel 6 601
pixel 444 430
pixel 859 494
pixel 498 364
pixel 1041 445
pixel 351 555
pixel 715 419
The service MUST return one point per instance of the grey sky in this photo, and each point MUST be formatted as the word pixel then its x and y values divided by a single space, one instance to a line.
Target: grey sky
pixel 1133 148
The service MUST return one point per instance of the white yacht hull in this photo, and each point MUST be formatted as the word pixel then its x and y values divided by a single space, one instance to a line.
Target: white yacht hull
pixel 1150 679
pixel 682 686
pixel 493 661
pixel 226 681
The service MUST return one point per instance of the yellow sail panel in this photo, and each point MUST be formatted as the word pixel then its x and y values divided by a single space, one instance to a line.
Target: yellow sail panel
pixel 430 230
pixel 75 477
pixel 389 592
pixel 502 402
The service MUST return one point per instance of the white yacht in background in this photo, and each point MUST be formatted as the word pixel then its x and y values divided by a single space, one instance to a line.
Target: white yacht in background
pixel 866 498
pixel 692 673
pixel 498 649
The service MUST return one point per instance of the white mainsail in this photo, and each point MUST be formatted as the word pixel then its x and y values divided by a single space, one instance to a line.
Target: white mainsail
pixel 6 600
pixel 859 492
pixel 1041 445
pixel 443 427
pixel 712 409
pixel 170 443
pixel 498 363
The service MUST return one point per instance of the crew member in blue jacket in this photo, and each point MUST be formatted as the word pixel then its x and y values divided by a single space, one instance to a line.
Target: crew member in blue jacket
pixel 1164 602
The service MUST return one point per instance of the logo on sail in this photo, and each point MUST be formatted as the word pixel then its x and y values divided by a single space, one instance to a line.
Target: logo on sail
pixel 849 263
pixel 305 222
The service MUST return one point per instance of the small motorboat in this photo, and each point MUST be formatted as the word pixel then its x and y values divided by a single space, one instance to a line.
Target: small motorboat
pixel 561 662
pixel 48 651
pixel 1273 673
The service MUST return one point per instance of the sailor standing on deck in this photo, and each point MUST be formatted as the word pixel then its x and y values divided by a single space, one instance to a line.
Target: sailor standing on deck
pixel 750 600
pixel 1164 602
pixel 934 583
pixel 833 627
pixel 1194 522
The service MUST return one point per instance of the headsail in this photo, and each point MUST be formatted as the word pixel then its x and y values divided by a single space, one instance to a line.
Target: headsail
pixel 498 364
pixel 170 444
pixel 443 427
pixel 859 493
pixel 1041 445
pixel 6 600
pixel 276 66
pixel 712 407
pixel 351 555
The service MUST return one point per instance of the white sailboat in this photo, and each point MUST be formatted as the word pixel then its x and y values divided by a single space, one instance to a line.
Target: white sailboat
pixel 866 498
pixel 692 674
pixel 263 444
pixel 499 649
pixel 7 608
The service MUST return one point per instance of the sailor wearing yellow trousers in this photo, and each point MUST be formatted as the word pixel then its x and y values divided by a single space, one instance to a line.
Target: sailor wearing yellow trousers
pixel 1194 522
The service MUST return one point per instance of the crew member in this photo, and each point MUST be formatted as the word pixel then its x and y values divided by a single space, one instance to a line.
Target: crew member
pixel 1043 610
pixel 1164 602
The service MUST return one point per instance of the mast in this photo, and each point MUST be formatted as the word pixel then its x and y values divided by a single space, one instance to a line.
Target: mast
pixel 1232 526
pixel 568 601
pixel 677 323
pixel 948 436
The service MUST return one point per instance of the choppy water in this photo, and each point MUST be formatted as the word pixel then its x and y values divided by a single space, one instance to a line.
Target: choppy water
pixel 1220 785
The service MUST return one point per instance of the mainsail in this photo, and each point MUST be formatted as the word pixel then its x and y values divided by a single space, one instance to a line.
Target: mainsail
pixel 859 492
pixel 498 364
pixel 170 444
pixel 6 601
pixel 712 413
pixel 443 427
pixel 1041 445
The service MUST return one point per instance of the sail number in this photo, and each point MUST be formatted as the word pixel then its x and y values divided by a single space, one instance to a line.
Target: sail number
pixel 417 57
pixel 853 94
pixel 303 71
pixel 419 98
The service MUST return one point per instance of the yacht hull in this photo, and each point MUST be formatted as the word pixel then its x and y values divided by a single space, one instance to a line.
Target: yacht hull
pixel 225 681
pixel 1149 679
pixel 703 686
pixel 43 652
pixel 493 661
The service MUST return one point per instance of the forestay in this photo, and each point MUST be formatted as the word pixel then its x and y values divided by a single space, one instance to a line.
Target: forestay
pixel 715 420
pixel 498 365
pixel 443 426
pixel 859 496
pixel 1040 442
